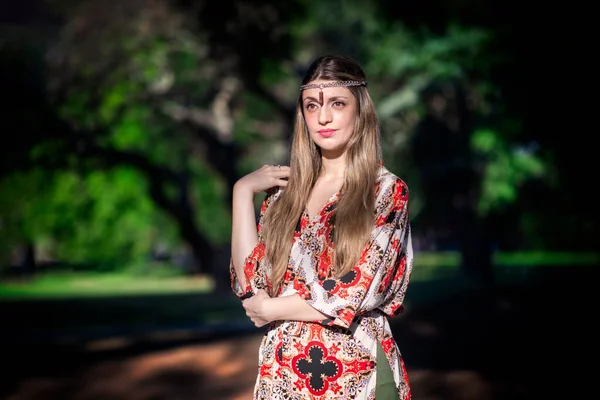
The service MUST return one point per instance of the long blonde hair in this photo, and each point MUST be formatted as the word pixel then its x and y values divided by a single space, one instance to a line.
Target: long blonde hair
pixel 354 213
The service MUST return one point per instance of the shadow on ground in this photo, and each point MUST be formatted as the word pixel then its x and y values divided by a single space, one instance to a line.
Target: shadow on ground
pixel 509 342
pixel 512 342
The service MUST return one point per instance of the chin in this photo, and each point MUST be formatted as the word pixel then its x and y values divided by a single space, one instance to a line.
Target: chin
pixel 326 146
pixel 333 150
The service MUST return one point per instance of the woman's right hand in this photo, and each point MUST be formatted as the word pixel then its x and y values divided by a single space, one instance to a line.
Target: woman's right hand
pixel 264 178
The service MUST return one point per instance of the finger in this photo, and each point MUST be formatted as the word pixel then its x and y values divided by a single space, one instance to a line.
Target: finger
pixel 283 168
pixel 282 174
pixel 282 182
pixel 279 168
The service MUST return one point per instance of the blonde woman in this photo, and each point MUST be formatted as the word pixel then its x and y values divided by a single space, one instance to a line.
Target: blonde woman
pixel 330 258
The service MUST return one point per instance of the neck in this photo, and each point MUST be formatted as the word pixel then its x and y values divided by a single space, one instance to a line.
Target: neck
pixel 334 168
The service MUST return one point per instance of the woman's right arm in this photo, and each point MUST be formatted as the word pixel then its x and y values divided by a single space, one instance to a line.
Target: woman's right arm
pixel 244 234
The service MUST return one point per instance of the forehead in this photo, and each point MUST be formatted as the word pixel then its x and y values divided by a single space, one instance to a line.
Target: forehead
pixel 327 91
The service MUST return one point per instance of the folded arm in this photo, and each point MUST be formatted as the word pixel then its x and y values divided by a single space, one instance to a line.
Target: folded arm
pixel 374 281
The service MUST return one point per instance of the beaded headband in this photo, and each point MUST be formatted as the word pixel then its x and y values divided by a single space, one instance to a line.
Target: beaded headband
pixel 331 84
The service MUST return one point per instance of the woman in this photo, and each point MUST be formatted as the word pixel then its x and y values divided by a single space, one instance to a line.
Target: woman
pixel 331 256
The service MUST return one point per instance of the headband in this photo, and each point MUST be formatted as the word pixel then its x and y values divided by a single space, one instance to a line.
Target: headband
pixel 331 84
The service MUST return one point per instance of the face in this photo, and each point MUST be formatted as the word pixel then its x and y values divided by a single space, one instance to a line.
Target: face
pixel 330 122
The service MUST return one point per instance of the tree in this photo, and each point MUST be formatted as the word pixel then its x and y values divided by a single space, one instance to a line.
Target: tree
pixel 136 87
pixel 181 98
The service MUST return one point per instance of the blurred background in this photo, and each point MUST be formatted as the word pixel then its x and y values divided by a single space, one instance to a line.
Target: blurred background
pixel 126 123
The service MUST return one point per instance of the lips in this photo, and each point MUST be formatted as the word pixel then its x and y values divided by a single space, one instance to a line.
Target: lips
pixel 326 132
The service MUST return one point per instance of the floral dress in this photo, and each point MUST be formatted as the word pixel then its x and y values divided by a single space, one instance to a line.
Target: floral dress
pixel 336 358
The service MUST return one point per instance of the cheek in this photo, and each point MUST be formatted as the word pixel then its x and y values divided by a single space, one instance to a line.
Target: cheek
pixel 310 119
pixel 347 119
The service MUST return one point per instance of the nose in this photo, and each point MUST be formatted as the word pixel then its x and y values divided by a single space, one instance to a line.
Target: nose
pixel 325 115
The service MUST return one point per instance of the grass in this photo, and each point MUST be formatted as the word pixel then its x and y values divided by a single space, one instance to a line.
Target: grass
pixel 69 307
pixel 90 284
pixel 518 259
pixel 428 265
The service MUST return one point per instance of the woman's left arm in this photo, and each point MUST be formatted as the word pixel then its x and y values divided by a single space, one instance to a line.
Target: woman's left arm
pixel 262 309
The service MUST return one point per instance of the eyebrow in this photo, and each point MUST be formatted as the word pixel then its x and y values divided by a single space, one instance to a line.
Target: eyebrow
pixel 333 98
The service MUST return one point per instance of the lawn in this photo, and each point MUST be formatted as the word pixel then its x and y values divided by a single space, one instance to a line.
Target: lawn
pixel 428 266
pixel 90 284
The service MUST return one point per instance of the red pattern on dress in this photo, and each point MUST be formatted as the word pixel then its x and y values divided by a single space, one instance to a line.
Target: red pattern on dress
pixel 336 358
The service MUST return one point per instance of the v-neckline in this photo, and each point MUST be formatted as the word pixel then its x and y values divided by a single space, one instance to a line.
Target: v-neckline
pixel 327 203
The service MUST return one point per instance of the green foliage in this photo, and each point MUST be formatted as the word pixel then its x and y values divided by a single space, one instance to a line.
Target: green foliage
pixel 114 98
pixel 402 52
pixel 152 88
pixel 505 169
pixel 131 130
pixel 213 214
pixel 94 284
pixel 113 220
pixel 102 218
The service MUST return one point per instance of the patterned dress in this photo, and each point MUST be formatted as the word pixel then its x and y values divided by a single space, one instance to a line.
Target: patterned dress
pixel 336 358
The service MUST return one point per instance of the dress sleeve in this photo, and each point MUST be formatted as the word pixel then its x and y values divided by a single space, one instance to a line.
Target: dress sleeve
pixel 254 273
pixel 379 279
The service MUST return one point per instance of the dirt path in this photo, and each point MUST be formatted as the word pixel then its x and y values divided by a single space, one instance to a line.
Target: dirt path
pixel 221 370
pixel 515 343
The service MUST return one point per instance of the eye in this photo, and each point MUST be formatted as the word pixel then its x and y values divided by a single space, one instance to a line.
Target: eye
pixel 311 106
pixel 339 104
